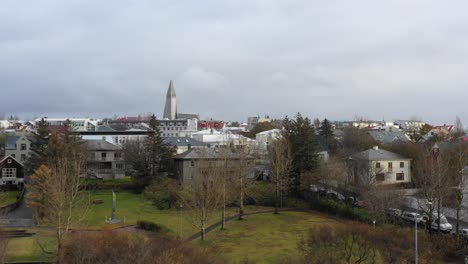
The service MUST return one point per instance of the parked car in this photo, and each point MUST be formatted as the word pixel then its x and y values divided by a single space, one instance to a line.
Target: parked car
pixel 393 212
pixel 411 216
pixel 445 226
pixel 335 195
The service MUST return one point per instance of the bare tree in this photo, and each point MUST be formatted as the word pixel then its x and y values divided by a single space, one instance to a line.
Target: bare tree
pixel 458 160
pixel 459 130
pixel 55 191
pixel 247 156
pixel 202 194
pixel 431 178
pixel 226 168
pixel 279 152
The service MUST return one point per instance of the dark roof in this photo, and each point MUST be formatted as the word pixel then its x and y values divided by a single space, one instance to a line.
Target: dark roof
pixel 10 142
pixel 99 144
pixel 104 128
pixel 388 137
pixel 2 159
pixel 377 154
pixel 183 141
pixel 206 153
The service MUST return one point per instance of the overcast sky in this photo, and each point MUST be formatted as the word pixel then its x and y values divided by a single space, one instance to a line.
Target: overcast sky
pixel 232 59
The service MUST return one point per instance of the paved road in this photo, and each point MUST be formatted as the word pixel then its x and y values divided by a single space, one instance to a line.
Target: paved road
pixel 20 217
pixel 416 204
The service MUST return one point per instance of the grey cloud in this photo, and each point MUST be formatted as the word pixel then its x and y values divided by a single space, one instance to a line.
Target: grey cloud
pixel 231 59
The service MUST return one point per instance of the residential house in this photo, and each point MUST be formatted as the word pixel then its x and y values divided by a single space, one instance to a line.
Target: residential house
pixel 105 160
pixel 379 166
pixel 4 124
pixel 441 132
pixel 11 171
pixel 412 126
pixel 185 163
pixel 388 137
pixel 19 147
pixel 183 144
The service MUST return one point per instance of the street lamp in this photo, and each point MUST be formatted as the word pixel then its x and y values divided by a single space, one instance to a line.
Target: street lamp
pixel 416 239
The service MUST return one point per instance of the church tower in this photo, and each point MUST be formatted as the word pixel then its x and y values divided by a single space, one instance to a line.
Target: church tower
pixel 170 109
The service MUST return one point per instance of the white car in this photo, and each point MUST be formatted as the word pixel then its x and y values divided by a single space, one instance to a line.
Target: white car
pixel 393 212
pixel 445 226
pixel 412 216
pixel 464 233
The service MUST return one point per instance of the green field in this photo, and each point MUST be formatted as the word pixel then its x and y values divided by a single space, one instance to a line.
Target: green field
pixel 264 238
pixel 133 207
pixel 8 197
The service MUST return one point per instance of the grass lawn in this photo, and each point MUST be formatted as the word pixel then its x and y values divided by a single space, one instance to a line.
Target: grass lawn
pixel 8 197
pixel 264 238
pixel 28 249
pixel 134 207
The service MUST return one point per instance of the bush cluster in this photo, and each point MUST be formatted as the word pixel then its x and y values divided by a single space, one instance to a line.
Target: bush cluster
pixel 340 209
pixel 148 226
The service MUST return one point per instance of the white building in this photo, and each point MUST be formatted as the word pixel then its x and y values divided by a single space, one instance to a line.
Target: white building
pixel 410 125
pixel 378 166
pixel 266 137
pixel 4 124
pixel 79 124
pixel 216 138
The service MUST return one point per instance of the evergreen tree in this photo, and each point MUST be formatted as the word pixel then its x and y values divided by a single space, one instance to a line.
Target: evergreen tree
pixel 326 136
pixel 150 158
pixel 39 143
pixel 301 135
pixel 153 144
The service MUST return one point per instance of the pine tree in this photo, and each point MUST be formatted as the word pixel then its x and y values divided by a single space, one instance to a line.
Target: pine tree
pixel 301 135
pixel 326 136
pixel 153 144
pixel 39 143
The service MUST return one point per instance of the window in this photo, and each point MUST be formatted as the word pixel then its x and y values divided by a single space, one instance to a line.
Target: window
pixel 9 173
pixel 402 164
pixel 192 163
pixel 23 146
pixel 390 166
pixel 9 160
pixel 380 177
pixel 119 165
pixel 400 176
pixel 23 157
pixel 103 156
pixel 117 155
pixel 377 165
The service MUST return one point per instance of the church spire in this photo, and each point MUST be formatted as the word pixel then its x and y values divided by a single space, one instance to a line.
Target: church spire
pixel 170 109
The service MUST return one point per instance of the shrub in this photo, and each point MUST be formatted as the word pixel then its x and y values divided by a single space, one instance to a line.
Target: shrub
pixel 148 226
pixel 263 193
pixel 119 246
pixel 163 193
pixel 340 209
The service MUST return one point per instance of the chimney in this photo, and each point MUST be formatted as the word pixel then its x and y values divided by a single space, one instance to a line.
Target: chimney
pixel 189 146
pixel 376 147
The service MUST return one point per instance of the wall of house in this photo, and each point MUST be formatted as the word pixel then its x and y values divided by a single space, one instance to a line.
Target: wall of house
pixel 109 167
pixel 10 163
pixel 20 154
pixel 390 173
